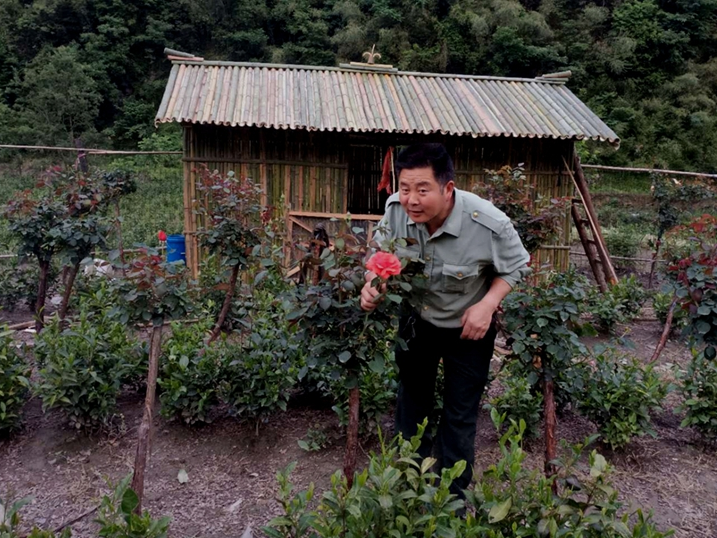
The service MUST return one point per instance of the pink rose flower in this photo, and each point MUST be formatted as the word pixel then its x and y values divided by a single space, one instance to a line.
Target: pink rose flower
pixel 384 264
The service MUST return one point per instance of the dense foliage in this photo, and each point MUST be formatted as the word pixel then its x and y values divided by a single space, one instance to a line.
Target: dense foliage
pixel 399 495
pixel 14 382
pixel 95 67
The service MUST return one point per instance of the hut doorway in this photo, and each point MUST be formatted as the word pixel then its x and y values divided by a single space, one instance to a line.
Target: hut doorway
pixel 364 174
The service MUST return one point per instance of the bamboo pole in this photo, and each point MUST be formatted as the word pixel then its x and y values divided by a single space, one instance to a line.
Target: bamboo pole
pixel 92 151
pixel 648 170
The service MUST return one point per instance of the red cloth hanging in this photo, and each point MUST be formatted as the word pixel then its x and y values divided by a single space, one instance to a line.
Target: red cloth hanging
pixel 385 182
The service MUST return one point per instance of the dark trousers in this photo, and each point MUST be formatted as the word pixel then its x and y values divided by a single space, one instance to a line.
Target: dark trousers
pixel 466 364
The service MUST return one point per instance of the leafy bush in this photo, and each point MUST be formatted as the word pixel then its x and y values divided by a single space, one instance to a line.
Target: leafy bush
pixel 620 393
pixel 621 303
pixel 14 374
pixel 519 402
pixel 699 389
pixel 117 519
pixel 18 284
pixel 190 373
pixel 398 495
pixel 84 366
pixel 10 521
pixel 508 496
pixel 261 370
pixel 623 243
pixel 377 391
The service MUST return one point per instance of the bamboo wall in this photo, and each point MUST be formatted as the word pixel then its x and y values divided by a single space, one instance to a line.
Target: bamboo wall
pixel 330 172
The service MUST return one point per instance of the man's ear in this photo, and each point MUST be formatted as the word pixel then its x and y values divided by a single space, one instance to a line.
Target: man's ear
pixel 448 189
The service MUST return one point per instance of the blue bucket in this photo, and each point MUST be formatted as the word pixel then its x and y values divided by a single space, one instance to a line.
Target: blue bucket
pixel 175 248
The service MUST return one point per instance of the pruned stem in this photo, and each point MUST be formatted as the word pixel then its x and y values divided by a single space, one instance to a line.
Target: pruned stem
pixel 145 429
pixel 41 295
pixel 666 331
pixel 352 435
pixel 551 424
pixel 227 304
pixel 69 283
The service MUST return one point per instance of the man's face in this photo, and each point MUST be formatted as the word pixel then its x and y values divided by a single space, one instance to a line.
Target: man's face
pixel 423 198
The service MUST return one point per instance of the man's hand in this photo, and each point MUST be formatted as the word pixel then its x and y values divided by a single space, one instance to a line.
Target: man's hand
pixel 369 293
pixel 477 319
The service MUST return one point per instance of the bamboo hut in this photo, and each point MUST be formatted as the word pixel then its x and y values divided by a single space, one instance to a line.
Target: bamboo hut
pixel 316 137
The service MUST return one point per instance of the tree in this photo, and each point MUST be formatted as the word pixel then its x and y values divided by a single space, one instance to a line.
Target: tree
pixel 59 99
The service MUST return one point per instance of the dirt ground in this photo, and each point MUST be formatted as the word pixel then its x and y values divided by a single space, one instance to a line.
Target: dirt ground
pixel 232 470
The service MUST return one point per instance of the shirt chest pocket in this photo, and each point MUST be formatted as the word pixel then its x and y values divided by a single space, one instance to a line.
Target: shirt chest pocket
pixel 459 278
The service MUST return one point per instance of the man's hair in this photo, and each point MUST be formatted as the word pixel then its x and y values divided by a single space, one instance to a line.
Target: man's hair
pixel 425 155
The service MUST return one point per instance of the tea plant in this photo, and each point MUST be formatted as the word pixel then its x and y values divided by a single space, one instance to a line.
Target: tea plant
pixel 18 284
pixel 117 517
pixel 397 495
pixel 620 304
pixel 315 439
pixel 83 367
pixel 519 402
pixel 512 500
pixel 10 522
pixel 261 369
pixel 190 373
pixel 14 382
pixel 698 386
pixel 620 395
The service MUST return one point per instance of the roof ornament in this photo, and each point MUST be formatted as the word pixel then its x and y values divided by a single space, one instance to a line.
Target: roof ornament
pixel 371 55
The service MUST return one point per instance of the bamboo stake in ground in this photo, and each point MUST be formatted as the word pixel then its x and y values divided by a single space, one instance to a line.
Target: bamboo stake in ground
pixel 352 435
pixel 145 429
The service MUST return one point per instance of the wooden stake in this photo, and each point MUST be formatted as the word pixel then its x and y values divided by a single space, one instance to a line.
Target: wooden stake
pixel 41 296
pixel 551 425
pixel 666 331
pixel 352 435
pixel 145 429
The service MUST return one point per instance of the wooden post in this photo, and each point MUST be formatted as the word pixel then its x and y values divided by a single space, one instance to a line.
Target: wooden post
pixel 145 429
pixel 352 435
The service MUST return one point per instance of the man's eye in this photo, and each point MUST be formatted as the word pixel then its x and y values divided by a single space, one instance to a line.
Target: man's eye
pixel 423 191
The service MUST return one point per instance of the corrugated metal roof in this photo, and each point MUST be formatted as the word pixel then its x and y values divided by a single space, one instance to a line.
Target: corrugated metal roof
pixel 344 99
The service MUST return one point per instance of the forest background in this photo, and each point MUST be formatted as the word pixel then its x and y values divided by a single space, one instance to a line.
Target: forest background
pixel 96 68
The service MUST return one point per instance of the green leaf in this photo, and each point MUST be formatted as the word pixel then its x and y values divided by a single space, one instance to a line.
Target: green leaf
pixel 344 356
pixel 130 501
pixel 499 511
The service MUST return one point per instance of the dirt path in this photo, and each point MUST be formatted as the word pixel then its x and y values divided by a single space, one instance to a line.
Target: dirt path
pixel 232 470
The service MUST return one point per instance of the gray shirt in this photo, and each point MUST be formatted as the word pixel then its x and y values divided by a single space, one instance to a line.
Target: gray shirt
pixel 476 243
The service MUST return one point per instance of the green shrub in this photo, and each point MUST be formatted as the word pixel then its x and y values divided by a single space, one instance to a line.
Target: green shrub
pixel 84 366
pixel 399 495
pixel 14 384
pixel 18 284
pixel 699 389
pixel 623 242
pixel 117 519
pixel 508 496
pixel 10 522
pixel 190 374
pixel 620 393
pixel 262 369
pixel 621 303
pixel 519 402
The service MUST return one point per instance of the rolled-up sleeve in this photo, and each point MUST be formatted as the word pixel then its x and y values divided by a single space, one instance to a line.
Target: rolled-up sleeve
pixel 510 259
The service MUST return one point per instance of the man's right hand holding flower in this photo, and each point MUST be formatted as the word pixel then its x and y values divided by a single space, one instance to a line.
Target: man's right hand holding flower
pixel 369 293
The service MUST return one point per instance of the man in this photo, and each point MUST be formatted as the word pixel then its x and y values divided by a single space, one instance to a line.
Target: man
pixel 473 257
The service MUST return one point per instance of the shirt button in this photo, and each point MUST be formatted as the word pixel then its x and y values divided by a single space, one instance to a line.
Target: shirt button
pixel 475 213
pixel 460 275
pixel 428 258
pixel 425 307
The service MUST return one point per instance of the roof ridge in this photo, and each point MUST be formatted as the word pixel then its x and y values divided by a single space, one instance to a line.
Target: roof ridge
pixel 393 72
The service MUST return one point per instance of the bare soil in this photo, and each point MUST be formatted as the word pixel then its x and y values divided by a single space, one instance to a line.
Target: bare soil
pixel 232 469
